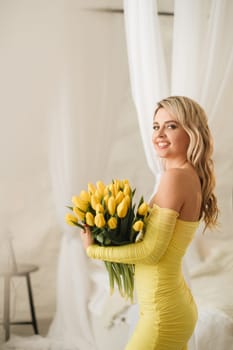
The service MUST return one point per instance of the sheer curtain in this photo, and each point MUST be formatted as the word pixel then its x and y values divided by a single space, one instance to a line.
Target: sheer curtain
pixel 147 68
pixel 201 68
pixel 83 118
pixel 71 324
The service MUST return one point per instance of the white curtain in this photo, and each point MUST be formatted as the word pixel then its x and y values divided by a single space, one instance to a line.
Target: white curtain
pixel 201 68
pixel 147 68
pixel 71 324
pixel 83 122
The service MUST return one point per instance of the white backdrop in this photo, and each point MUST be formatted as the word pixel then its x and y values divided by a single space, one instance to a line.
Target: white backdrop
pixel 68 118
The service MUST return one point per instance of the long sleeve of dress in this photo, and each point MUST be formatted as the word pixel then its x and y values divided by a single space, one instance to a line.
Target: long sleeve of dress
pixel 159 229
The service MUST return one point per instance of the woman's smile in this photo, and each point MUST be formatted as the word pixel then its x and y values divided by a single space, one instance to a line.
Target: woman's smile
pixel 162 144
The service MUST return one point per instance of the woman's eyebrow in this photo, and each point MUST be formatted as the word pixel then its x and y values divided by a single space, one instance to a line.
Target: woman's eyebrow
pixel 168 121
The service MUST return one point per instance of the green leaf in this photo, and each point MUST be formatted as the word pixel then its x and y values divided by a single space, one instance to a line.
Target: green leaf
pixel 133 235
pixel 107 241
pixel 77 224
pixel 110 275
pixel 125 226
pixel 100 238
pixel 141 201
pixel 117 275
pixel 133 192
pixel 71 208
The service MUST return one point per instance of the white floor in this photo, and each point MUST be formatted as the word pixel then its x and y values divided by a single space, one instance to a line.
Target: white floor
pixel 107 337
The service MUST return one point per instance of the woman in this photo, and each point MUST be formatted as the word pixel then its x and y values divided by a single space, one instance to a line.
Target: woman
pixel 168 313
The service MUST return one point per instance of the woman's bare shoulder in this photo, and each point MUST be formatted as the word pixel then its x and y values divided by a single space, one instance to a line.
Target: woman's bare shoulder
pixel 175 185
pixel 174 174
pixel 175 179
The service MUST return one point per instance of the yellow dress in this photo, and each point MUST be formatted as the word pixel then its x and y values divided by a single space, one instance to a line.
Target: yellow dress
pixel 168 313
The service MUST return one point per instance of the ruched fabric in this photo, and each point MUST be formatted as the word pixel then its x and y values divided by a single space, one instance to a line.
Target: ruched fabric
pixel 168 313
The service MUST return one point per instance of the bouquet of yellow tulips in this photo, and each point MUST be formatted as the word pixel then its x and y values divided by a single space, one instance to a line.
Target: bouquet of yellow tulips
pixel 113 219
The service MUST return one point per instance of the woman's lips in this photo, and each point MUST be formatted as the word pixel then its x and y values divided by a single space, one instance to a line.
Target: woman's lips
pixel 162 144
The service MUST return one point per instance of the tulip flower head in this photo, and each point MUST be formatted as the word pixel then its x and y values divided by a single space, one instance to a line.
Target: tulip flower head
pixel 94 201
pixel 90 219
pixel 99 220
pixel 111 205
pixel 143 209
pixel 138 225
pixel 91 188
pixel 119 197
pixel 71 219
pixel 99 208
pixel 80 214
pixel 112 223
pixel 127 189
pixel 122 208
pixel 100 187
pixel 85 196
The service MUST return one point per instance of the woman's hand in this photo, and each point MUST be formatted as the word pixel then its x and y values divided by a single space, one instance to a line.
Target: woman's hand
pixel 86 237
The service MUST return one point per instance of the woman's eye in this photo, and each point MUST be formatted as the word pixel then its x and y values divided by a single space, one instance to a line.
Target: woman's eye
pixel 155 127
pixel 171 126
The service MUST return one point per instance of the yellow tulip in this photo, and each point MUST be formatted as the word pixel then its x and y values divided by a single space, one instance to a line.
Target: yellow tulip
pixel 127 189
pixel 91 188
pixel 89 219
pixel 79 213
pixel 112 189
pixel 98 195
pixel 116 188
pixel 100 187
pixel 122 209
pixel 119 197
pixel 106 191
pixel 143 209
pixel 81 204
pixel 125 181
pixel 85 196
pixel 94 201
pixel 106 198
pixel 121 184
pixel 127 200
pixel 70 219
pixel 117 184
pixel 138 225
pixel 99 208
pixel 99 220
pixel 112 223
pixel 75 199
pixel 111 205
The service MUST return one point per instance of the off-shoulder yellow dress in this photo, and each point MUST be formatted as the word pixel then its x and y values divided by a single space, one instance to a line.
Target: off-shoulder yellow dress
pixel 168 313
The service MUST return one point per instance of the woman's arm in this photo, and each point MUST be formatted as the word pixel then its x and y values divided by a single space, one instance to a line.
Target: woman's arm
pixel 158 234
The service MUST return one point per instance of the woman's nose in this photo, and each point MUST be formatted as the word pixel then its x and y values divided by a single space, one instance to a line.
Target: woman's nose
pixel 161 132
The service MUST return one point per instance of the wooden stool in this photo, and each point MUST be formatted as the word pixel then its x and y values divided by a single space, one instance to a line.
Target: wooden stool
pixel 22 270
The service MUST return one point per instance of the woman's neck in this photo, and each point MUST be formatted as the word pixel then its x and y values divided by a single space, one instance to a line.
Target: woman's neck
pixel 180 163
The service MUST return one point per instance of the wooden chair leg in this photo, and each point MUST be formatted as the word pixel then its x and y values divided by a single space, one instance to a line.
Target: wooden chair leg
pixel 6 312
pixel 33 314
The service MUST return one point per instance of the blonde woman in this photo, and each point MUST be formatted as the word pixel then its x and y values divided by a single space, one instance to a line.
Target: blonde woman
pixel 168 313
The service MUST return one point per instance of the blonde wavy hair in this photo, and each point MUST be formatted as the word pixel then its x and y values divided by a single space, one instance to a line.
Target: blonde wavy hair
pixel 193 119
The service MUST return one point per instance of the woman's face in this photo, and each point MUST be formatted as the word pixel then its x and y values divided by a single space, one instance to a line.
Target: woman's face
pixel 170 140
